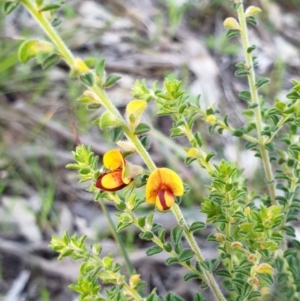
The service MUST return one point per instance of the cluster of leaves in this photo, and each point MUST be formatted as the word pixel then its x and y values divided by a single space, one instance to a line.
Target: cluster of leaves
pixel 94 268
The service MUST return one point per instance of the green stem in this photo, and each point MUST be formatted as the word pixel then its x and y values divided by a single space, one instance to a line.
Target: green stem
pixel 49 30
pixel 255 100
pixel 208 277
pixel 158 242
pixel 202 160
pixel 279 126
pixel 229 128
pixel 116 237
pixel 133 292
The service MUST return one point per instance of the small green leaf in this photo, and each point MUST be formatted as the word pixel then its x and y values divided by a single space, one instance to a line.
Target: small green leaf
pixel 171 260
pixel 142 221
pixel 73 166
pixel 185 255
pixel 232 33
pixel 245 95
pixel 196 226
pixel 93 106
pixel 262 82
pixel 223 273
pixel 238 133
pixel 294 95
pixel 190 275
pixel 252 20
pixel 100 68
pixel 282 277
pixel 209 156
pixel 31 48
pixel 189 160
pixel 56 22
pixel 176 132
pixel 154 250
pixel 142 128
pixel 161 235
pixel 198 297
pixel 279 263
pixel 198 139
pixel 250 145
pixel 173 297
pixel 153 296
pixel 122 226
pixel 87 79
pixel 228 285
pixel 116 134
pixel 176 234
pixel 289 230
pixel 52 6
pixel 111 80
pixel 252 106
pixel 254 294
pixel 236 6
pixel 8 7
pixel 50 61
pixel 241 72
pixel 210 265
pixel 226 120
pixel 146 235
pixel 167 246
pixel 146 141
pixel 296 244
pixel 251 48
pixel 270 147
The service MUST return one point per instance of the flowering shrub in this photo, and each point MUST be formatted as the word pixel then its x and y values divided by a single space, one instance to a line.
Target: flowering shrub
pixel 258 255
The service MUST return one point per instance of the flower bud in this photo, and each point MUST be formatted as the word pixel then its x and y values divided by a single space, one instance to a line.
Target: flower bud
pixel 109 120
pixel 219 237
pixel 236 245
pixel 212 119
pixel 134 280
pixel 192 152
pixel 127 146
pixel 89 97
pixel 81 67
pixel 264 268
pixel 231 23
pixel 253 281
pixel 251 258
pixel 134 111
pixel 107 262
pixel 247 211
pixel 232 219
pixel 251 11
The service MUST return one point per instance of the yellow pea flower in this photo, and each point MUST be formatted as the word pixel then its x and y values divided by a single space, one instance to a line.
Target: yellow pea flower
pixel 162 186
pixel 114 178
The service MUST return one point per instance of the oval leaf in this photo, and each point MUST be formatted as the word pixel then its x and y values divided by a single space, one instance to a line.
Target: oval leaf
pixel 185 255
pixel 31 48
pixel 154 250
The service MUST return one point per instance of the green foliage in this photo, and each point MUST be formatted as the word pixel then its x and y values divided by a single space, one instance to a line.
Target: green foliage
pixel 93 268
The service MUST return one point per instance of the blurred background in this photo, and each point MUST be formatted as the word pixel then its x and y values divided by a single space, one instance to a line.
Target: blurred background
pixel 41 123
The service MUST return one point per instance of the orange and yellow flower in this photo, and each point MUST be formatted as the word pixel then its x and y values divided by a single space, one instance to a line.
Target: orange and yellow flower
pixel 162 186
pixel 114 178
